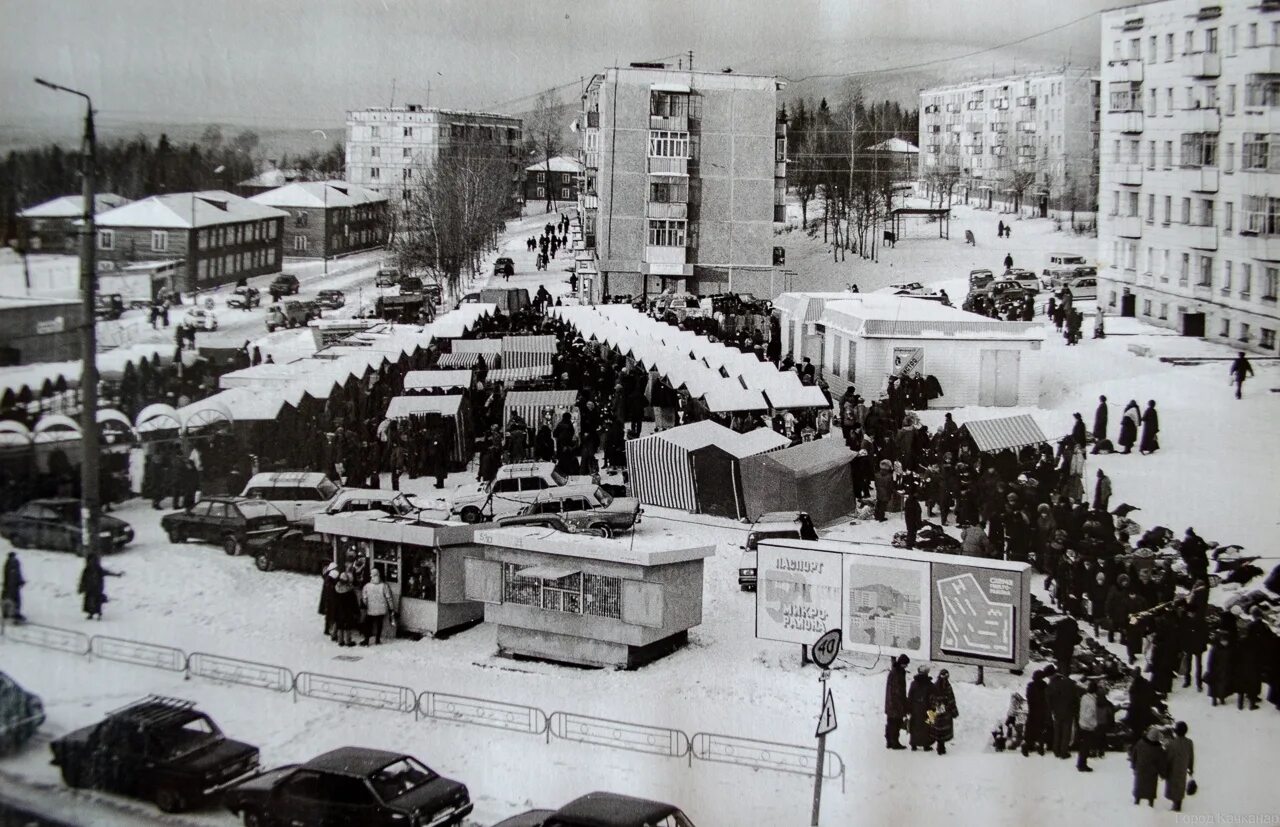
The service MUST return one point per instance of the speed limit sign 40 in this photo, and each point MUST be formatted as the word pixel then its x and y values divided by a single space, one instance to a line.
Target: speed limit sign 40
pixel 825 648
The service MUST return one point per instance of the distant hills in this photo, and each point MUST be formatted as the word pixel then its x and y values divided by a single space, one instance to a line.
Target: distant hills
pixel 273 142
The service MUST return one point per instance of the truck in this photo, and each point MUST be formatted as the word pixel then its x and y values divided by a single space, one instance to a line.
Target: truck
pixel 290 314
pixel 402 308
pixel 134 289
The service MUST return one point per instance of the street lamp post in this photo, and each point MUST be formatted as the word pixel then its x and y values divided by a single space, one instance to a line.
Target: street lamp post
pixel 90 506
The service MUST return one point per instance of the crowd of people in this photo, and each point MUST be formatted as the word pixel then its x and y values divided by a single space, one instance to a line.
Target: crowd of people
pixel 553 237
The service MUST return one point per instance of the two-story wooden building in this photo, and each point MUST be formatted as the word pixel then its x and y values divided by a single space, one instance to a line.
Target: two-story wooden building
pixel 561 181
pixel 328 218
pixel 220 237
pixel 53 226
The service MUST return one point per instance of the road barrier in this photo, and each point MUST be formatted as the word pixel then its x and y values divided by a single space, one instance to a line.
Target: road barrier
pixel 607 732
pixel 355 692
pixel 498 714
pixel 48 637
pixel 765 755
pixel 234 670
pixel 139 654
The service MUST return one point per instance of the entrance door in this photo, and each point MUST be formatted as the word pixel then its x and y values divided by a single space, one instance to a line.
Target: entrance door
pixel 1193 324
pixel 1128 305
pixel 998 382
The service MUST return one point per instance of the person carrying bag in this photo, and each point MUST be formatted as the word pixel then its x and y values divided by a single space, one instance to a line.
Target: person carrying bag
pixel 379 604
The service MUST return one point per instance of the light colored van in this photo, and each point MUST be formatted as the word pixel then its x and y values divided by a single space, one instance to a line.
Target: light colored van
pixel 1061 260
pixel 293 492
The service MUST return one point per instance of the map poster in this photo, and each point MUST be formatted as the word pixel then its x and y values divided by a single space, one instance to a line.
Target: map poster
pixel 797 593
pixel 887 605
pixel 980 615
pixel 908 361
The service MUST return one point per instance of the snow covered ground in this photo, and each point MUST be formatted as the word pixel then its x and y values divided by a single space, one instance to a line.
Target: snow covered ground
pixel 1214 472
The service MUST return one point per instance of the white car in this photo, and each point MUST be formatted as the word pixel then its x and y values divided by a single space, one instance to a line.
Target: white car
pixel 512 489
pixel 906 287
pixel 200 319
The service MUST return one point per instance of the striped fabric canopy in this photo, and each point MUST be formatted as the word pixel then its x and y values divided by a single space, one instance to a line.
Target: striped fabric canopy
pixel 519 374
pixel 527 351
pixel 460 360
pixel 532 404
pixel 1006 432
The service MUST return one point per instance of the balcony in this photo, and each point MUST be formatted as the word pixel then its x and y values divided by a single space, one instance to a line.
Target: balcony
pixel 1128 226
pixel 1128 174
pixel 1122 71
pixel 1265 247
pixel 1202 64
pixel 662 209
pixel 780 169
pixel 1199 120
pixel 1198 236
pixel 589 201
pixel 1197 179
pixel 1261 60
pixel 591 160
pixel 669 123
pixel 668 166
pixel 593 120
pixel 1128 122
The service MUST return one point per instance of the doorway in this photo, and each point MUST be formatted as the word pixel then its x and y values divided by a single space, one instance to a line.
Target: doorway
pixel 1193 324
pixel 998 378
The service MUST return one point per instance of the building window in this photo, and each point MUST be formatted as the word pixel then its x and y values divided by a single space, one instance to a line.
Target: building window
pixel 1164 311
pixel 1168 209
pixel 1228 217
pixel 1266 338
pixel 1151 208
pixel 1206 271
pixel 300 220
pixel 406 153
pixel 106 239
pixel 1227 267
pixel 542 192
pixel 672 191
pixel 202 270
pixel 1262 90
pixel 1184 271
pixel 668 144
pixel 1225 330
pixel 271 256
pixel 1146 307
pixel 668 104
pixel 1244 332
pixel 299 242
pixel 408 131
pixel 1270 284
pixel 373 132
pixel 1246 279
pixel 565 194
pixel 1257 152
pixel 375 152
pixel 1261 215
pixel 780 149
pixel 1168 47
pixel 159 241
pixel 577 593
pixel 375 173
pixel 1200 149
pixel 666 233
pixel 542 177
pixel 1186 211
pixel 271 230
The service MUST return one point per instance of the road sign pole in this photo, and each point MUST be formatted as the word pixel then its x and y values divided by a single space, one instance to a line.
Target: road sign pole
pixel 817 779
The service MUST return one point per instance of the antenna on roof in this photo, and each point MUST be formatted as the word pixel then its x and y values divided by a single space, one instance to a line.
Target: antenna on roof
pixel 393 93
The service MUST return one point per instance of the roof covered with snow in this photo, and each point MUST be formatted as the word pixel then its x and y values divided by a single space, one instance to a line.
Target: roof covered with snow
pixel 72 206
pixel 185 210
pixel 323 194
pixel 889 316
pixel 896 145
pixel 560 163
pixel 645 545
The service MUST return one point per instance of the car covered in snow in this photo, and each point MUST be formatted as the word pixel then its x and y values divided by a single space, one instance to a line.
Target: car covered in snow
pixel 244 298
pixel 362 499
pixel 21 714
pixel 238 524
pixel 54 524
pixel 351 786
pixel 200 318
pixel 603 810
pixel 581 508
pixel 158 748
pixel 771 525
pixel 514 487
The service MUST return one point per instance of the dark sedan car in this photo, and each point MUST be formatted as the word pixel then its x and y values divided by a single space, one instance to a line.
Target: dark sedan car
pixel 603 810
pixel 55 524
pixel 235 523
pixel 504 266
pixel 294 551
pixel 330 299
pixel 351 785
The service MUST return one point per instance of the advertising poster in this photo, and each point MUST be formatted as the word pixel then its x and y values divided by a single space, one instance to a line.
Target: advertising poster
pixel 908 361
pixel 887 605
pixel 980 615
pixel 797 593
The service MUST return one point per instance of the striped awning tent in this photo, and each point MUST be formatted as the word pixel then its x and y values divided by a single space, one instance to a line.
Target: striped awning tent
pixel 519 374
pixel 462 360
pixel 1005 432
pixel 452 407
pixel 485 346
pixel 421 380
pixel 661 468
pixel 525 351
pixel 536 406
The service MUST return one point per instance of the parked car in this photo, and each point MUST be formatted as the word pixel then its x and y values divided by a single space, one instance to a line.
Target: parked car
pixel 1051 278
pixel 54 524
pixel 236 523
pixel 331 299
pixel 389 277
pixel 200 318
pixel 1066 260
pixel 294 550
pixel 504 266
pixel 362 499
pixel 286 284
pixel 351 786
pixel 771 525
pixel 906 288
pixel 245 298
pixel 979 279
pixel 1029 280
pixel 1007 290
pixel 514 487
pixel 108 307
pixel 433 293
pixel 1083 288
pixel 410 286
pixel 603 810
pixel 161 749
pixel 293 493
pixel 581 508
pixel 21 714
pixel 290 314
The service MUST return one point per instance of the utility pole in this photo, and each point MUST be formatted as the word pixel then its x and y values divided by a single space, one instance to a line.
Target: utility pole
pixel 691 60
pixel 89 504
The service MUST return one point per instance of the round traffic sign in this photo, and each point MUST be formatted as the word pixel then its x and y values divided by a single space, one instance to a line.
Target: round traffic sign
pixel 825 648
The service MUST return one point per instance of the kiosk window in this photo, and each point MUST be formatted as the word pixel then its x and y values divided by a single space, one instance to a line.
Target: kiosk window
pixel 420 569
pixel 589 594
pixel 386 559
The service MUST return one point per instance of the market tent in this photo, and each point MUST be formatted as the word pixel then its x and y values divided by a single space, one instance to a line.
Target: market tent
pixel 728 396
pixel 1010 432
pixel 537 407
pixel 55 428
pixel 13 432
pixel 421 380
pixel 461 360
pixel 717 472
pixel 157 417
pixel 815 477
pixel 423 409
pixel 524 351
pixel 489 347
pixel 661 467
pixel 525 374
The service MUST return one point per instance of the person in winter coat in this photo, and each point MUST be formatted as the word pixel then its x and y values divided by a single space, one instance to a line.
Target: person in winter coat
pixel 1039 719
pixel 11 593
pixel 329 605
pixel 1100 423
pixel 1253 652
pixel 918 697
pixel 1102 492
pixel 1150 430
pixel 884 489
pixel 1133 633
pixel 1142 702
pixel 1129 422
pixel 378 606
pixel 1079 436
pixel 1193 639
pixel 1220 672
pixel 974 541
pixel 1180 763
pixel 911 515
pixel 544 444
pixel 1240 371
pixel 564 433
pixel 1066 636
pixel 1087 725
pixel 93 585
pixel 1147 758
pixel 895 702
pixel 942 711
pixel 346 609
pixel 1063 696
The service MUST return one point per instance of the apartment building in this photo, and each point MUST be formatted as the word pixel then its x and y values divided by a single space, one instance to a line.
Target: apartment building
pixel 1015 141
pixel 388 145
pixel 1189 219
pixel 328 218
pixel 684 178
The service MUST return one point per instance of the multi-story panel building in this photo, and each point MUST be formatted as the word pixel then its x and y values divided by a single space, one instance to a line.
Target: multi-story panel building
pixel 388 145
pixel 328 218
pixel 1189 200
pixel 1033 133
pixel 221 238
pixel 684 174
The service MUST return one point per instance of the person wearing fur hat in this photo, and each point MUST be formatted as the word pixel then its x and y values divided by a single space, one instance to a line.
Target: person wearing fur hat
pixel 943 711
pixel 895 702
pixel 1180 764
pixel 884 488
pixel 918 697
pixel 1147 757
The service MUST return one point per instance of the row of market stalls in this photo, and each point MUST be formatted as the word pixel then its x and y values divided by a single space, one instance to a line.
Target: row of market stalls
pixel 28 392
pixel 726 379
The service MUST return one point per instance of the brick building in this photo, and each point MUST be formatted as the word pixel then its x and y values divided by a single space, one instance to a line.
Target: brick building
pixel 328 218
pixel 52 227
pixel 562 180
pixel 220 237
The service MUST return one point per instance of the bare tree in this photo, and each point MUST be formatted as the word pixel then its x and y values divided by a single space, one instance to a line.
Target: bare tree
pixel 1020 180
pixel 544 133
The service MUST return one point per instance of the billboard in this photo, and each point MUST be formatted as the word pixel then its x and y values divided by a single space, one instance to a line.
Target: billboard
pixel 908 361
pixel 798 593
pixel 936 607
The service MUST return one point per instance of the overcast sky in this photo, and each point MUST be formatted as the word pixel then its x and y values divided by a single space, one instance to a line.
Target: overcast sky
pixel 279 63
